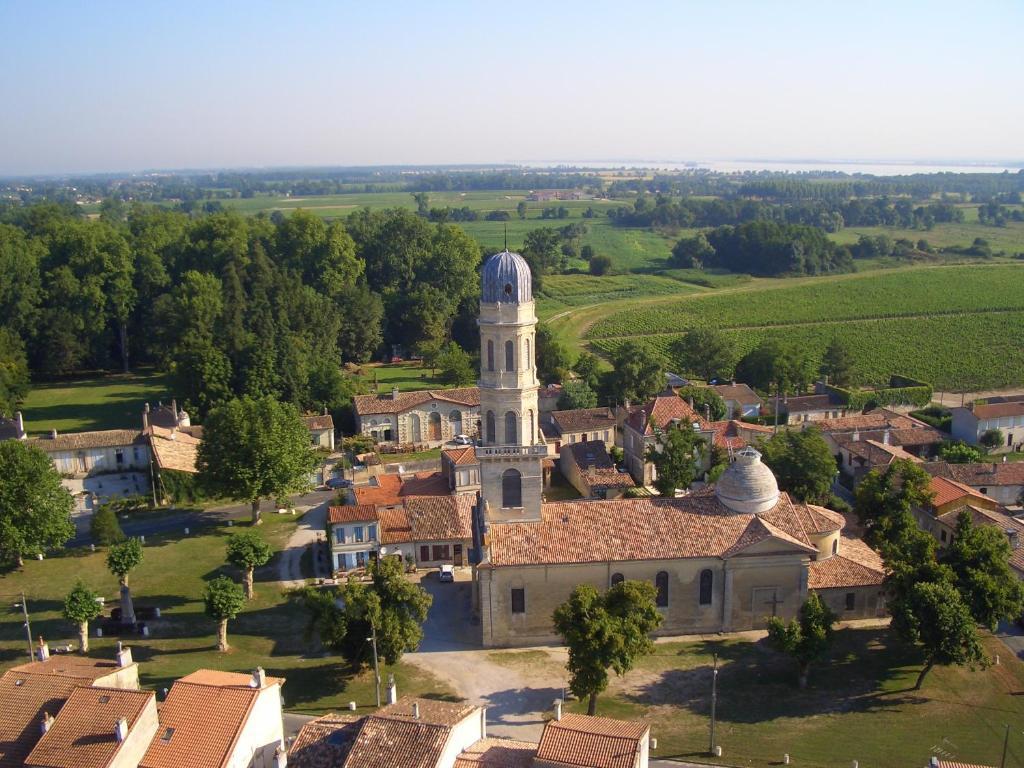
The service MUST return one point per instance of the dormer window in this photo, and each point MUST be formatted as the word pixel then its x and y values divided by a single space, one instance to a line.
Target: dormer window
pixel 508 289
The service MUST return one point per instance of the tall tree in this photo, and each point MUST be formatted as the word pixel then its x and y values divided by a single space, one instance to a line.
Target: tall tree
pixel 551 356
pixel 248 551
pixel 254 449
pixel 884 500
pixel 456 366
pixel 837 363
pixel 806 638
pixel 706 352
pixel 80 607
pixel 692 252
pixel 605 631
pixel 802 463
pixel 979 557
pixel 676 457
pixel 637 373
pixel 122 559
pixel 361 330
pixel 224 600
pixel 705 401
pixel 575 395
pixel 14 379
pixel 588 368
pixel 35 508
pixel 323 254
pixel 390 606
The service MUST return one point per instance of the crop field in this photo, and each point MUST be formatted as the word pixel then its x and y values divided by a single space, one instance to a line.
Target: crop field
pixel 578 290
pixel 956 327
pixel 1009 239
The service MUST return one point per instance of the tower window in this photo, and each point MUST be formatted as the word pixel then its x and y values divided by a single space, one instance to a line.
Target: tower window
pixel 510 356
pixel 511 488
pixel 490 428
pixel 510 429
pixel 508 289
pixel 490 355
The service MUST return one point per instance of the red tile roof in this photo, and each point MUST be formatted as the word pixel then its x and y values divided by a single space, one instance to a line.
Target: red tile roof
pixel 425 484
pixel 82 735
pixel 994 474
pixel 855 565
pixel 393 737
pixel 465 454
pixel 324 742
pixel 697 525
pixel 25 698
pixel 386 492
pixel 376 404
pixel 497 753
pixel 740 393
pixel 204 714
pixel 394 526
pixel 357 513
pixel 440 518
pixel 737 434
pixel 75 441
pixel 591 742
pixel 318 422
pixel 661 411
pixel 998 410
pixel 584 420
pixel 83 669
pixel 947 490
pixel 878 418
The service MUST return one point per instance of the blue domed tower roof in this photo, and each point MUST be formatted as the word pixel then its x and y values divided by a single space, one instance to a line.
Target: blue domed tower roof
pixel 506 278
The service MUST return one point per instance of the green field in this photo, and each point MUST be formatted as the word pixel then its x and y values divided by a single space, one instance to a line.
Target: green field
pixel 859 705
pixel 104 402
pixel 950 326
pixel 268 633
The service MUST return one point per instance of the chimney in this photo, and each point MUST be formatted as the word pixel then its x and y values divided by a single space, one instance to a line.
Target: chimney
pixel 856 437
pixel 259 678
pixel 53 434
pixel 19 425
pixel 689 401
pixel 394 393
pixel 483 722
pixel 885 437
pixel 174 409
pixel 121 730
pixel 933 762
pixel 124 655
pixel 707 412
pixel 145 417
pixel 43 651
pixel 392 690
pixel 280 756
pixel 415 710
pixel 558 709
pixel 47 722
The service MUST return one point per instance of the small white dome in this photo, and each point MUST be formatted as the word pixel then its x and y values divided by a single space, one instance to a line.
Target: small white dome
pixel 747 485
pixel 506 278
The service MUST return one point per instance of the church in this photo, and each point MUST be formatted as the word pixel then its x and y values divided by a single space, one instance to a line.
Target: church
pixel 721 559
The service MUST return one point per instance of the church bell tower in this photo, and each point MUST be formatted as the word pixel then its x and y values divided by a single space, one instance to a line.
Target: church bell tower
pixel 511 457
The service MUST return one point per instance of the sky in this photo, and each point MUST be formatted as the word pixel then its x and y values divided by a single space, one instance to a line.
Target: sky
pixel 112 87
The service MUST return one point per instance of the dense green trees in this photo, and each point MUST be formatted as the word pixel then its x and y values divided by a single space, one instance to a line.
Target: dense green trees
pixel 605 631
pixel 806 638
pixel 254 449
pixel 35 509
pixel 802 464
pixel 637 373
pixel 704 352
pixel 576 394
pixel 772 367
pixel 551 356
pixel 14 379
pixel 675 458
pixel 705 401
pixel 837 364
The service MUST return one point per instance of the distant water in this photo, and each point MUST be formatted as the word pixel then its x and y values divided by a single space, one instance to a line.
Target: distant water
pixel 879 168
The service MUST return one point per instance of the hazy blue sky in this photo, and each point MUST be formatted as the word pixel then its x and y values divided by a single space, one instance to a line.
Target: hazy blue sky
pixel 95 86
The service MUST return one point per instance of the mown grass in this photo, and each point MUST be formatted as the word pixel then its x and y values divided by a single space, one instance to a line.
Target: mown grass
pixel 408 376
pixel 100 402
pixel 859 705
pixel 269 632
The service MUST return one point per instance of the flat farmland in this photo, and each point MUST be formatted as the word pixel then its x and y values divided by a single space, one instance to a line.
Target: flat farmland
pixel 1009 238
pixel 956 327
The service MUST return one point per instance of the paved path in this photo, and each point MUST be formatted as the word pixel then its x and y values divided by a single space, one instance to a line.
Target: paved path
pixel 309 530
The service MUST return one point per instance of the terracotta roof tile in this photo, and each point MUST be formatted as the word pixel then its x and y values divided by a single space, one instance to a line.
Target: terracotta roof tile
pixel 497 753
pixel 376 404
pixel 352 513
pixel 440 518
pixel 318 422
pixel 741 393
pixel 465 454
pixel 993 474
pixel 737 434
pixel 856 565
pixel 394 737
pixel 591 742
pixel 82 669
pixel 201 720
pixel 997 410
pixel 75 441
pixel 173 449
pixel 661 411
pixel 386 491
pixel 596 466
pixel 425 484
pixel 807 403
pixel 324 742
pixel 636 529
pixel 947 490
pixel 878 418
pixel 25 697
pixel 394 526
pixel 82 735
pixel 584 420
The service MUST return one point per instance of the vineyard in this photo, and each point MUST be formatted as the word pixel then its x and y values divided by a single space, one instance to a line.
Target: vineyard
pixel 957 328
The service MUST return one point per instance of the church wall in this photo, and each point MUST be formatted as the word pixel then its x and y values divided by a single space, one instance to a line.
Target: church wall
pixel 868 602
pixel 547 587
pixel 752 580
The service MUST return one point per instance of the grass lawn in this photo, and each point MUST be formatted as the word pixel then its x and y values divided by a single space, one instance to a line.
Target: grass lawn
pixel 407 376
pixel 268 633
pixel 859 705
pixel 103 402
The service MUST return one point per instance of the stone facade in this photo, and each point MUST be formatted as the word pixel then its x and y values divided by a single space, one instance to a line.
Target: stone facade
pixel 431 417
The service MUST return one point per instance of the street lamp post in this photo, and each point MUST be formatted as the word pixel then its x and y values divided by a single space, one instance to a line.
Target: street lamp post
pixel 28 629
pixel 714 702
pixel 376 667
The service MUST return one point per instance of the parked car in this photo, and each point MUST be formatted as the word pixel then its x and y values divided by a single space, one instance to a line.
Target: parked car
pixel 446 573
pixel 462 440
pixel 339 482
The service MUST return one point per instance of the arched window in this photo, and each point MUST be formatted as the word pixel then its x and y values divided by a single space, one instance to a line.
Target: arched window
pixel 511 488
pixel 414 428
pixel 707 581
pixel 434 424
pixel 617 578
pixel 490 355
pixel 489 437
pixel 661 584
pixel 510 356
pixel 510 428
pixel 527 358
pixel 835 546
pixel 455 418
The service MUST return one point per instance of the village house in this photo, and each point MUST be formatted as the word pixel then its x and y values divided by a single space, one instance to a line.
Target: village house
pixel 590 470
pixel 461 468
pixel 321 430
pixel 548 397
pixel 720 559
pixel 441 529
pixel 740 400
pixel 1005 414
pixel 424 418
pixel 1000 480
pixel 582 425
pixel 425 733
pixel 802 409
pixel 353 535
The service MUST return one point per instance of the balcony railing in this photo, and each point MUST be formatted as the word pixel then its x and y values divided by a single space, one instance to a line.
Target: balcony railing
pixel 512 450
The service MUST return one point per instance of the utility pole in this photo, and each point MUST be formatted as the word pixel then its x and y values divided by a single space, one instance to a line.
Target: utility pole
pixel 714 702
pixel 28 628
pixel 376 667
